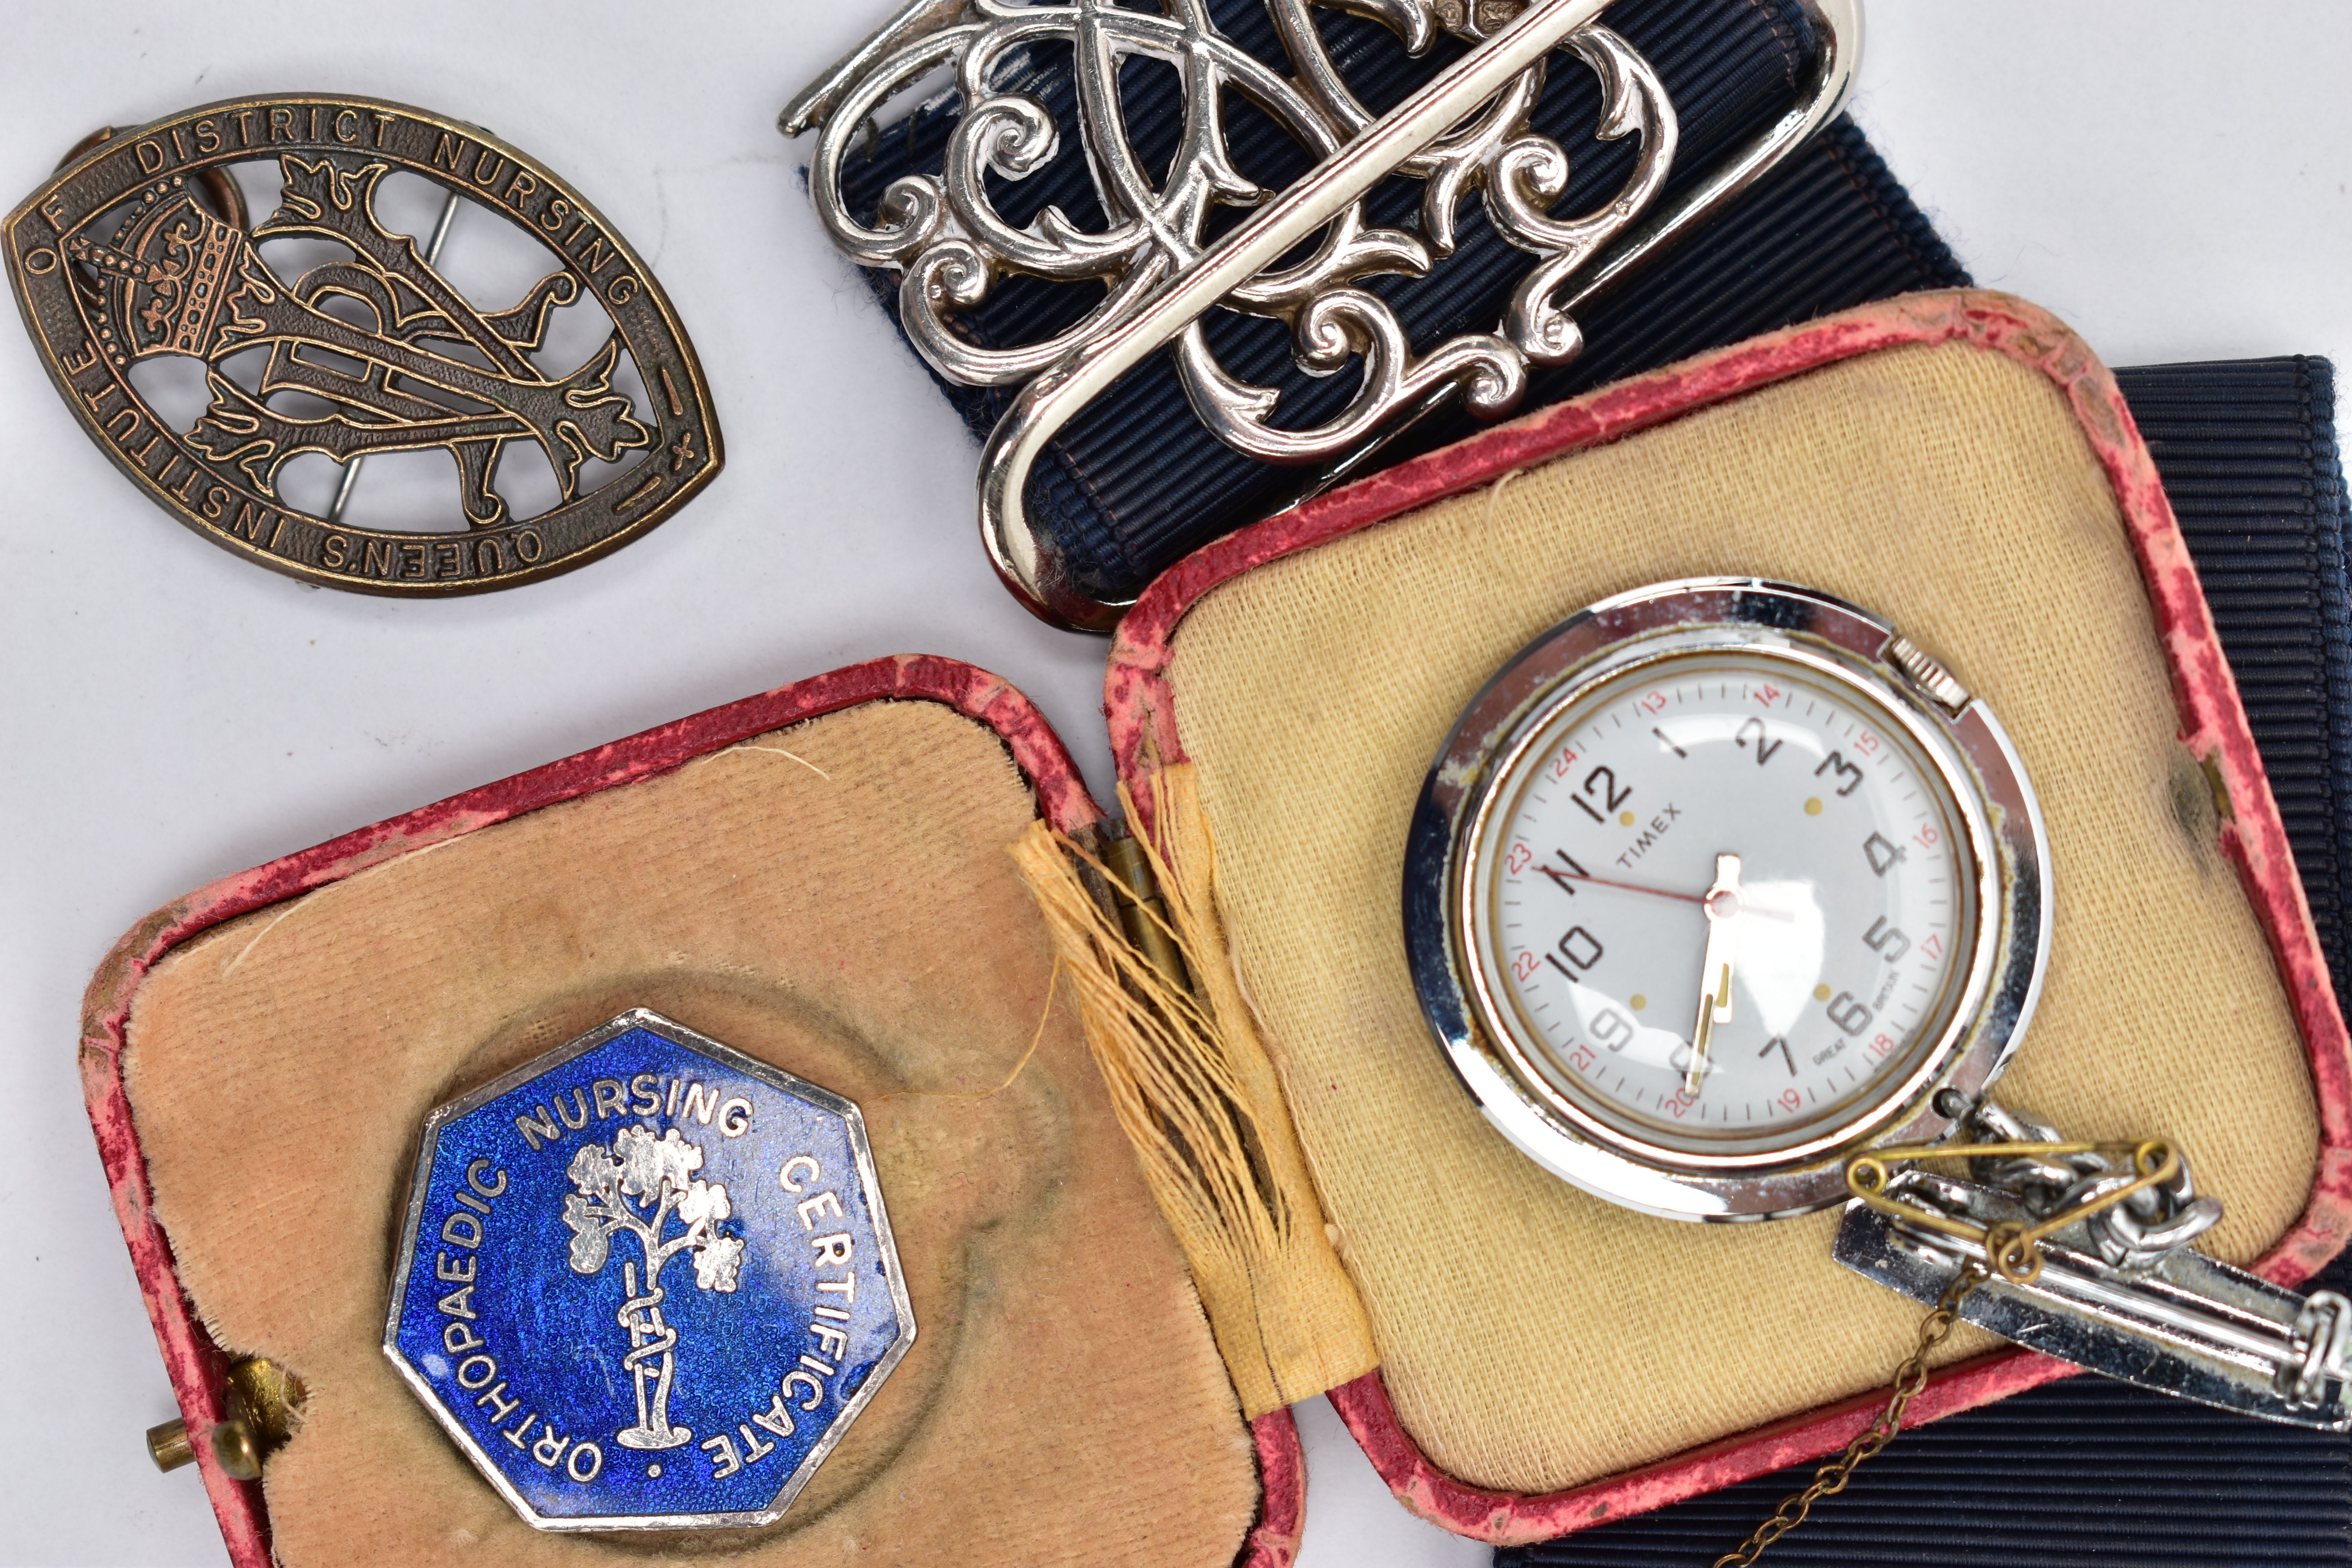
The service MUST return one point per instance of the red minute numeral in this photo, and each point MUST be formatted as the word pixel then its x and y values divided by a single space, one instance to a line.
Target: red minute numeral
pixel 1516 861
pixel 1866 743
pixel 1881 1046
pixel 1680 1104
pixel 1580 1058
pixel 1566 761
pixel 1654 702
pixel 1932 947
pixel 1524 965
pixel 1926 837
pixel 1767 695
pixel 1790 1100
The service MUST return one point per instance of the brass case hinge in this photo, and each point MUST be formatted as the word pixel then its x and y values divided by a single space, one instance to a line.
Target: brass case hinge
pixel 1135 898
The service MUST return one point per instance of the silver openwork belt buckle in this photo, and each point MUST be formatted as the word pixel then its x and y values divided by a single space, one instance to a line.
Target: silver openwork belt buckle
pixel 1466 135
pixel 2082 1252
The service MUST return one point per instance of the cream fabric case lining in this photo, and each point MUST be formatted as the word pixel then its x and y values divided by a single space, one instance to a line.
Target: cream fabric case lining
pixel 833 897
pixel 1532 1338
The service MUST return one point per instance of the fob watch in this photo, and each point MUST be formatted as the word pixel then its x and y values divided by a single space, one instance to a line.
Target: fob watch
pixel 1718 882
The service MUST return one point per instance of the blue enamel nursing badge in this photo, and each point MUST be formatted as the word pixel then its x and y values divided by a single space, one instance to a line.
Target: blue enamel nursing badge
pixel 646 1282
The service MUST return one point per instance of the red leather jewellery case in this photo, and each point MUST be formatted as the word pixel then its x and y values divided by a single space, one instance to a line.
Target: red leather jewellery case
pixel 818 876
pixel 736 870
pixel 1958 460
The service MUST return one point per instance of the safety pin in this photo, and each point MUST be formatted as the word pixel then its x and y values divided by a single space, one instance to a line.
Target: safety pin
pixel 2013 1250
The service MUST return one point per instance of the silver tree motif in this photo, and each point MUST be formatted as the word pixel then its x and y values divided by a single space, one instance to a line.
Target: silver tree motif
pixel 637 1185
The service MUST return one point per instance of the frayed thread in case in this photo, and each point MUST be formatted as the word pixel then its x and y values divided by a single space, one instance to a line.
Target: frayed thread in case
pixel 1197 1096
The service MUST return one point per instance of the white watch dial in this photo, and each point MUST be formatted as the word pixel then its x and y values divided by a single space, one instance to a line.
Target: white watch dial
pixel 1723 899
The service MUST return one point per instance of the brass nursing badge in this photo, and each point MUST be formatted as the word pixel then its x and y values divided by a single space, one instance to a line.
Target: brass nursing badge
pixel 325 328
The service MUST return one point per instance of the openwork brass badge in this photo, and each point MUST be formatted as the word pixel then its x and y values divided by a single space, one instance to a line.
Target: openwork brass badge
pixel 243 372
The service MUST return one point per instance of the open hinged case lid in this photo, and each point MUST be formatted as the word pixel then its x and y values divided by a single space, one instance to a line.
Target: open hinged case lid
pixel 1533 1359
pixel 816 876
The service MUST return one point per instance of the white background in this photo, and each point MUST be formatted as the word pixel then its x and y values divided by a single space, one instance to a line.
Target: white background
pixel 2169 178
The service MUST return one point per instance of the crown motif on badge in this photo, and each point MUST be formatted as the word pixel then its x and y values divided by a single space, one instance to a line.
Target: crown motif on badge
pixel 1160 242
pixel 758 1297
pixel 165 277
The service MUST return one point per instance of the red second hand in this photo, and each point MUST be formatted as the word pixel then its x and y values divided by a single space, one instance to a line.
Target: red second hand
pixel 1699 898
pixel 1635 888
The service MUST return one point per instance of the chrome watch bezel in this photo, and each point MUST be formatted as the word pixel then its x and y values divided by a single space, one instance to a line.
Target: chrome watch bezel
pixel 2005 853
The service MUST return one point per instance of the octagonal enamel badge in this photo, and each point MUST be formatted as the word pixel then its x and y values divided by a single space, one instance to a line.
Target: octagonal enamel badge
pixel 645 1281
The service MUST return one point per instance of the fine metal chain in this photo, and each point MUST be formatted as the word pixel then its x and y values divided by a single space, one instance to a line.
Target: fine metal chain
pixel 1832 1477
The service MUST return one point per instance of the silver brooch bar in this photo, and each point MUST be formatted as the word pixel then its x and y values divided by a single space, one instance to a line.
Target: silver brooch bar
pixel 2118 1292
pixel 1464 134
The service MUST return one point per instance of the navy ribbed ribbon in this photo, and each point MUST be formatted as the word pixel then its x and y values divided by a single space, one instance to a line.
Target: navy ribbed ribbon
pixel 1136 482
pixel 2090 1471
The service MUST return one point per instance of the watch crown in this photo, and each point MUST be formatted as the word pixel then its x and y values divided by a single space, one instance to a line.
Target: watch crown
pixel 1927 673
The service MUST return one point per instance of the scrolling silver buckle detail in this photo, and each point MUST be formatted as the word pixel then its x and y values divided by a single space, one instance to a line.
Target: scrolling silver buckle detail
pixel 2118 1290
pixel 1464 133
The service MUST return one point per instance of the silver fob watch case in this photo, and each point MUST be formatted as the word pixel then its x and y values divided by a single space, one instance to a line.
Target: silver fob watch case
pixel 1455 850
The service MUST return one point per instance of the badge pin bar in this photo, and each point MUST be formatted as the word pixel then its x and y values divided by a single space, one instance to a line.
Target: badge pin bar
pixel 1466 134
pixel 435 243
pixel 2084 1255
